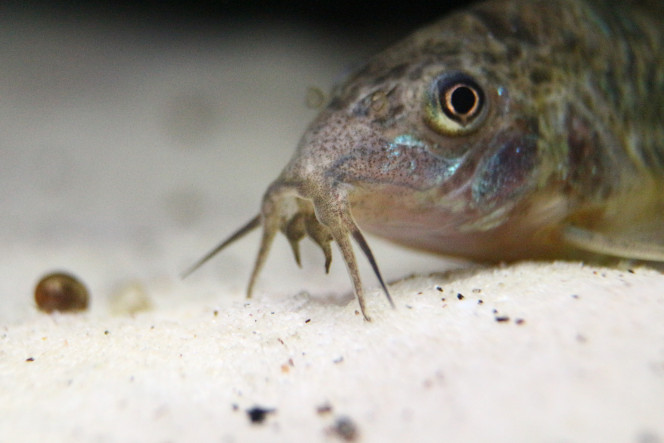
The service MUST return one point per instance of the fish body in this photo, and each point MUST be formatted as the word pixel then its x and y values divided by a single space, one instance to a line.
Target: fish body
pixel 514 129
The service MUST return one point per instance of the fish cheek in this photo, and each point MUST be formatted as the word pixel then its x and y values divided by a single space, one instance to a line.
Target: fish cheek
pixel 506 173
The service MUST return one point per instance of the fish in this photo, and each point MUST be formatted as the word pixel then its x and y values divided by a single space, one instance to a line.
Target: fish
pixel 509 130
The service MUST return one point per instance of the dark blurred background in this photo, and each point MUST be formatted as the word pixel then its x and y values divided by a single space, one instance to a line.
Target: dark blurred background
pixel 350 14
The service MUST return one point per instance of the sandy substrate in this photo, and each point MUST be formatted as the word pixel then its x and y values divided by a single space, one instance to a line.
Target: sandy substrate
pixel 128 153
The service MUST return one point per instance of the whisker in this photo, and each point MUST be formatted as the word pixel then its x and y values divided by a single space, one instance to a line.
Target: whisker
pixel 359 238
pixel 341 238
pixel 270 229
pixel 244 230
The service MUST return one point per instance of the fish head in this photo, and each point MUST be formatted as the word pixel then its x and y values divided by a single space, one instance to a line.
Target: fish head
pixel 431 144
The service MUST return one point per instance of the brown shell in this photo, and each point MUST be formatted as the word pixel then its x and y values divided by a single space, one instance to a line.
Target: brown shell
pixel 61 292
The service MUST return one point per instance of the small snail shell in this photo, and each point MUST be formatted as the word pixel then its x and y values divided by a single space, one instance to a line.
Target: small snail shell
pixel 61 292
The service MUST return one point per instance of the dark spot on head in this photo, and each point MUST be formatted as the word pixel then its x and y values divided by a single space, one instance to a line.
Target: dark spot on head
pixel 570 40
pixel 538 76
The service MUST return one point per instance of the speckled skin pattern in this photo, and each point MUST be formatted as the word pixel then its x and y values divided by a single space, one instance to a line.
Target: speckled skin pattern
pixel 566 130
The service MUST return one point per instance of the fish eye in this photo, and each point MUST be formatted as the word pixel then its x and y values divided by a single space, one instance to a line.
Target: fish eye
pixel 455 104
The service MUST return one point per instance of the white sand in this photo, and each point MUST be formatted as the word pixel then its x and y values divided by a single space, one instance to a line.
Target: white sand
pixel 104 176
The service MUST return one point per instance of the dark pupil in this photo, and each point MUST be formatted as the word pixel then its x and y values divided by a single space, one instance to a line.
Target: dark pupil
pixel 463 100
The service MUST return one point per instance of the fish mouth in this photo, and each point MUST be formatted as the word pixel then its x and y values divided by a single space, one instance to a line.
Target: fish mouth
pixel 301 210
pixel 322 213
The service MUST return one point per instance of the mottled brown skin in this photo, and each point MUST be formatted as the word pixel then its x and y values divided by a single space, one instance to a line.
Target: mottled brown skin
pixel 566 141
